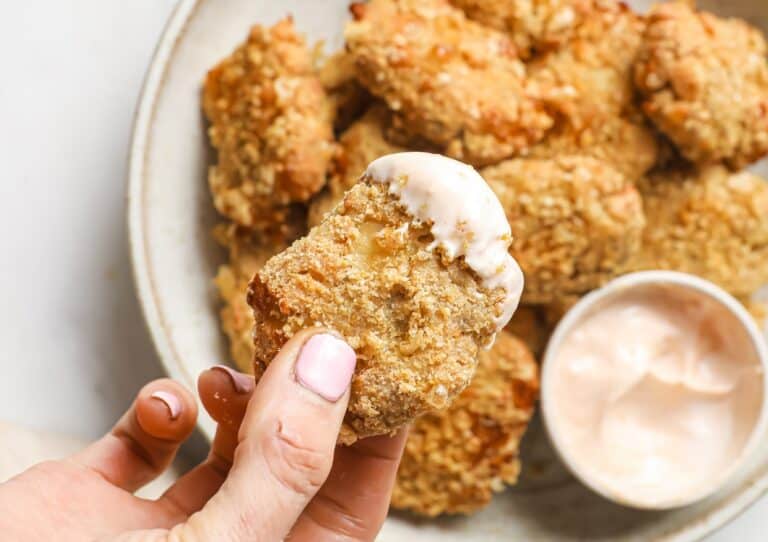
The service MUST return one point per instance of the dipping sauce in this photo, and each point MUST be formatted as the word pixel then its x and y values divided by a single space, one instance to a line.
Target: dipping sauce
pixel 654 394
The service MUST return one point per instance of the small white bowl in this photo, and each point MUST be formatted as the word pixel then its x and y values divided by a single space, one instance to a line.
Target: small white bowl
pixel 582 309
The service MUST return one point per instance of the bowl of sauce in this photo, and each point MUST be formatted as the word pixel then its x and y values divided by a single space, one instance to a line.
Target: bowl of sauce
pixel 654 389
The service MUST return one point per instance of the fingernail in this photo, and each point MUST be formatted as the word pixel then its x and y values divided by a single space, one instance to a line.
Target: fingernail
pixel 171 401
pixel 325 366
pixel 242 383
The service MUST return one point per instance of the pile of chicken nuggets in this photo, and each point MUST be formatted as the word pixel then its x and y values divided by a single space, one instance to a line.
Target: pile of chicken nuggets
pixel 615 142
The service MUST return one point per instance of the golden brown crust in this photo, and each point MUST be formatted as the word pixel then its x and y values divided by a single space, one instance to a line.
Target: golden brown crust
pixel 271 125
pixel 359 145
pixel 705 82
pixel 453 82
pixel 710 223
pixel 415 320
pixel 456 459
pixel 533 25
pixel 528 325
pixel 575 222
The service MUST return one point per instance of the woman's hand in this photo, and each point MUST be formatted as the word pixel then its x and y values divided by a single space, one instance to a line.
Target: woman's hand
pixel 271 473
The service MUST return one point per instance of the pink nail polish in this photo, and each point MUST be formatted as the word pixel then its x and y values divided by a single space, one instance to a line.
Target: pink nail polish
pixel 171 401
pixel 325 366
pixel 242 383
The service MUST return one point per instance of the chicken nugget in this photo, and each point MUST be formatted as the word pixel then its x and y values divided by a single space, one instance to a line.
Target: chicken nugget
pixel 359 145
pixel 529 325
pixel 455 460
pixel 576 222
pixel 708 222
pixel 533 25
pixel 412 269
pixel 452 81
pixel 271 126
pixel 705 83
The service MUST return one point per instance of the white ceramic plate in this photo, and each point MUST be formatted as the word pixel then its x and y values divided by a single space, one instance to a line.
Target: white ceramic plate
pixel 174 259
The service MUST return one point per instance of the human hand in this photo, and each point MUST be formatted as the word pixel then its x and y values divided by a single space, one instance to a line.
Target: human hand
pixel 271 473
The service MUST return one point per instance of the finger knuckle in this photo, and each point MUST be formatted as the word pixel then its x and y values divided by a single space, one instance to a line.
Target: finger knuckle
pixel 299 467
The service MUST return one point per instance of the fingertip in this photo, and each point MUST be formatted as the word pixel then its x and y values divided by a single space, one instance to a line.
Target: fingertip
pixel 224 394
pixel 166 410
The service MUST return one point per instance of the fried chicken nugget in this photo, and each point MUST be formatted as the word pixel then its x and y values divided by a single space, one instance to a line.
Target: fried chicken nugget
pixel 533 25
pixel 359 145
pixel 271 125
pixel 247 254
pixel 455 460
pixel 576 221
pixel 711 223
pixel 705 82
pixel 452 81
pixel 590 77
pixel 529 325
pixel 416 293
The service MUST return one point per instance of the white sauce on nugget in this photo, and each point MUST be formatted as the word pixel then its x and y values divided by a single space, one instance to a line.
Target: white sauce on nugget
pixel 466 217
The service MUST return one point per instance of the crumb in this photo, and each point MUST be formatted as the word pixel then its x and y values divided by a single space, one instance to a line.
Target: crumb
pixel 455 460
pixel 452 81
pixel 711 223
pixel 705 82
pixel 271 126
pixel 416 320
pixel 575 222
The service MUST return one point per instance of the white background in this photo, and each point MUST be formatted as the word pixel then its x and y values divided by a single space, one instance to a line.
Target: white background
pixel 74 346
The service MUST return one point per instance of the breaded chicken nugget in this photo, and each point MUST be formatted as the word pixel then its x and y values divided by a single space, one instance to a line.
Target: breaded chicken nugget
pixel 705 82
pixel 453 82
pixel 359 145
pixel 590 77
pixel 529 325
pixel 533 25
pixel 575 220
pixel 710 223
pixel 271 125
pixel 415 286
pixel 348 98
pixel 629 146
pixel 456 459
pixel 247 254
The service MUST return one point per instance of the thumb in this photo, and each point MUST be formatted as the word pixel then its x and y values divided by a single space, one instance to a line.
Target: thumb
pixel 286 442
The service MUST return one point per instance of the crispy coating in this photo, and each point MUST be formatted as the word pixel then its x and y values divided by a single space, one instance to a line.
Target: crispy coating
pixel 348 98
pixel 456 459
pixel 710 223
pixel 362 143
pixel 533 25
pixel 415 319
pixel 575 220
pixel 705 82
pixel 628 145
pixel 452 81
pixel 271 125
pixel 247 254
pixel 590 77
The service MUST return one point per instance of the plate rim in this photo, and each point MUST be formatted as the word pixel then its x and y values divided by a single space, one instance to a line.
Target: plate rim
pixel 151 305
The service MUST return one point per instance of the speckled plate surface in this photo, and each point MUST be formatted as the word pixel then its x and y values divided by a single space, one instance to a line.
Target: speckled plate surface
pixel 174 259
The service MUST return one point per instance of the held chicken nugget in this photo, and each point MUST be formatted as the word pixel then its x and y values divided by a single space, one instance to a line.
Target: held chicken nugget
pixel 576 220
pixel 453 82
pixel 711 223
pixel 271 126
pixel 705 82
pixel 412 269
pixel 455 460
